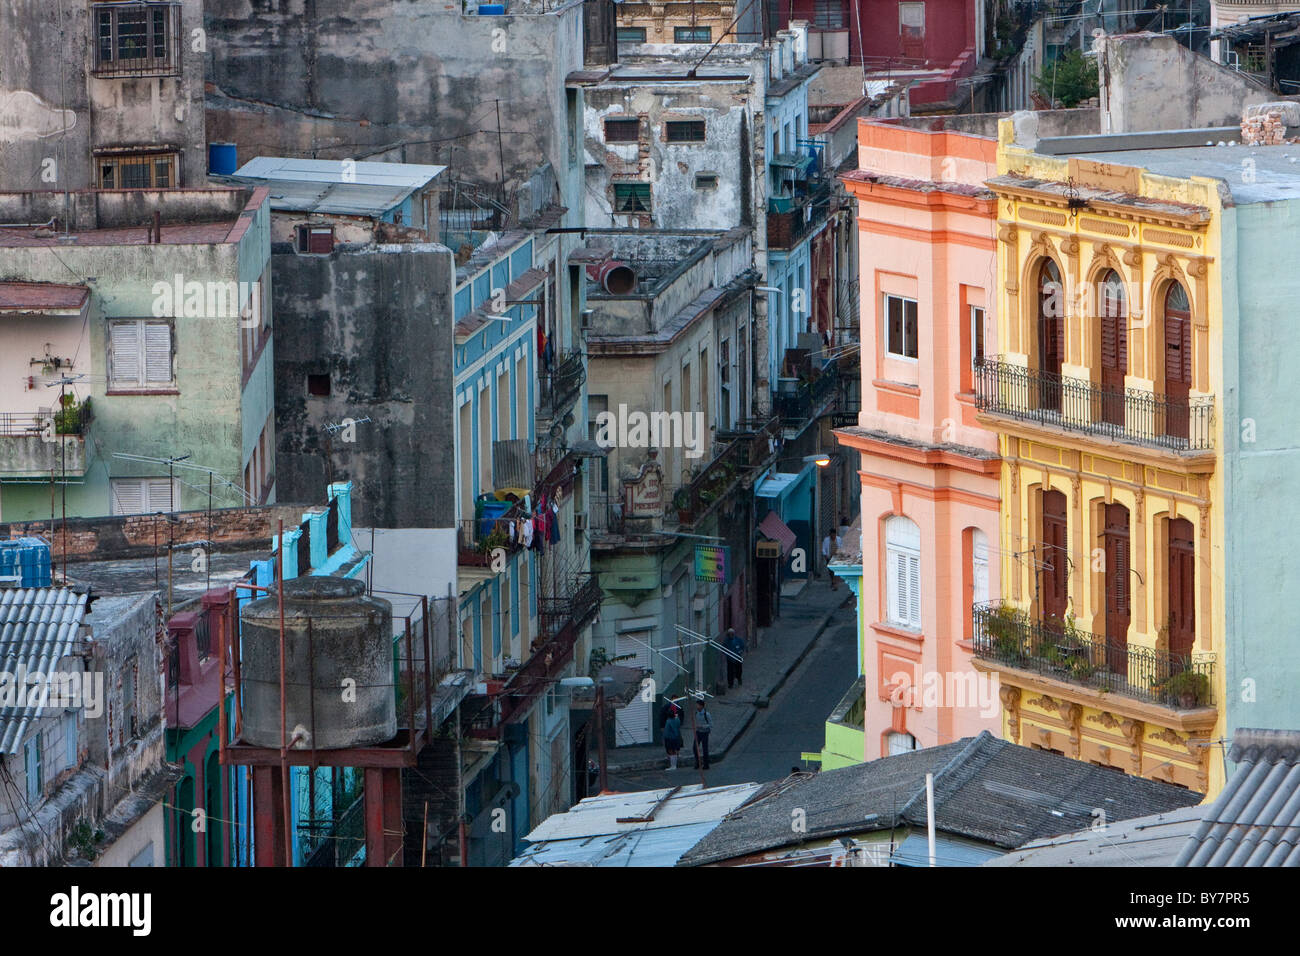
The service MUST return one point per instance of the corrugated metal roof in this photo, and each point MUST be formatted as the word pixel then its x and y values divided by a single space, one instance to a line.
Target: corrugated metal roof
pixel 319 185
pixel 1256 820
pixel 589 834
pixel 948 851
pixel 1142 841
pixel 39 627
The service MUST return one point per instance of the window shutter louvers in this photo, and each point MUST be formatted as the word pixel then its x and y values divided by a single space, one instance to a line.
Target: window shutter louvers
pixel 157 352
pixel 126 353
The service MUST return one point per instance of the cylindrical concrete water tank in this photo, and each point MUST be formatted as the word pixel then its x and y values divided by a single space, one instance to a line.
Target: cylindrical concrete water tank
pixel 338 666
pixel 616 278
pixel 221 159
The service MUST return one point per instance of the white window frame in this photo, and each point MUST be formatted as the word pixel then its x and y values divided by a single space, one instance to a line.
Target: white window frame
pixel 911 6
pixel 901 737
pixel 903 573
pixel 979 548
pixel 148 490
pixel 146 377
pixel 977 326
pixel 903 356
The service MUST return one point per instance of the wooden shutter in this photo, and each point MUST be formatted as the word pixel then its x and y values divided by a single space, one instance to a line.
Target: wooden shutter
pixel 980 568
pixel 128 496
pixel 125 359
pixel 157 353
pixel 914 590
pixel 158 495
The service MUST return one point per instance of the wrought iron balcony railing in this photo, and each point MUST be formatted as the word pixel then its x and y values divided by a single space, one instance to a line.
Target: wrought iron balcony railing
pixel 737 458
pixel 1122 414
pixel 1008 636
pixel 561 386
pixel 799 404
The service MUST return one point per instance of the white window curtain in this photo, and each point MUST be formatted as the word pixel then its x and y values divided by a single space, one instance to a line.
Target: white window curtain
pixel 903 571
pixel 980 566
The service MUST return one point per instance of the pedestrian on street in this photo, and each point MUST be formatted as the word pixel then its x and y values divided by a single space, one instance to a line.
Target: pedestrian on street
pixel 735 668
pixel 673 736
pixel 703 727
pixel 830 544
pixel 844 528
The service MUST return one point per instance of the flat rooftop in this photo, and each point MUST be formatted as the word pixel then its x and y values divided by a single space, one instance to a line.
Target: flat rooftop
pixel 203 234
pixel 1275 174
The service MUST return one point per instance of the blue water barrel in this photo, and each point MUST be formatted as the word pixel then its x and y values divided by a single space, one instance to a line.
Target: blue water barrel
pixel 221 159
pixel 491 9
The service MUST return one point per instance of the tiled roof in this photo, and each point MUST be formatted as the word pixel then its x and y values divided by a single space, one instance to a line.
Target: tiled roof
pixel 41 297
pixel 1256 819
pixel 39 627
pixel 985 789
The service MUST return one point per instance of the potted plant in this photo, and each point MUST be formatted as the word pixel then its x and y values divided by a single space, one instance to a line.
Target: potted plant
pixel 1002 626
pixel 682 502
pixel 70 418
pixel 1190 688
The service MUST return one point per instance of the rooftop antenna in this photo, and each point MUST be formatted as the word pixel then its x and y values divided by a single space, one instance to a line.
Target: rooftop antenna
pixel 331 429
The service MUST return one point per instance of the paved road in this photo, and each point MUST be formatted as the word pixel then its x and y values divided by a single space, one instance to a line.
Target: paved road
pixel 794 722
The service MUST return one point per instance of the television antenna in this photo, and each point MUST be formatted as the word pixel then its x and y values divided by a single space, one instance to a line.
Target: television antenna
pixel 332 429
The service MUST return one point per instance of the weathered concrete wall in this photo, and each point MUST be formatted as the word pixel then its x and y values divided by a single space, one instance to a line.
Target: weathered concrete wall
pixel 201 413
pixel 670 168
pixel 378 321
pixel 1151 82
pixel 55 108
pixel 391 79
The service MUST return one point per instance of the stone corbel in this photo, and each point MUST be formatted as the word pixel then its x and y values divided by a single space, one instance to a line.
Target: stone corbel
pixel 1133 731
pixel 1011 704
pixel 1139 501
pixel 1070 246
pixel 1008 234
pixel 1133 257
pixel 1197 268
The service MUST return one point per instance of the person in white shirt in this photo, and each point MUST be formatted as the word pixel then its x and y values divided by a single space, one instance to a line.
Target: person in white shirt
pixel 830 544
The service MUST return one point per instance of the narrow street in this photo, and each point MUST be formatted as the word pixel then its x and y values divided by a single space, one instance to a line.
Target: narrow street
pixel 794 722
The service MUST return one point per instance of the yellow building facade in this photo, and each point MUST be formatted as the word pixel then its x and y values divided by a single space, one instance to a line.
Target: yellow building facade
pixel 1108 641
pixel 675 22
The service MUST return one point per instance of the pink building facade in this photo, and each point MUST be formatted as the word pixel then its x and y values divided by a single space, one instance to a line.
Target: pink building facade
pixel 930 473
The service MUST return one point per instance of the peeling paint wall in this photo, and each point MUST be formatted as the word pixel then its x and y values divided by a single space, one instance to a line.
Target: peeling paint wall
pixel 1152 83
pixel 55 111
pixel 399 81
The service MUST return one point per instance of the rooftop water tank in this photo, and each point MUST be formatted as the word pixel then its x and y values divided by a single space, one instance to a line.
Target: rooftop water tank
pixel 338 666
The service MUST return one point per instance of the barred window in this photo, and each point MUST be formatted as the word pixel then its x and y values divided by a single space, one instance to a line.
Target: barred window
pixel 135 39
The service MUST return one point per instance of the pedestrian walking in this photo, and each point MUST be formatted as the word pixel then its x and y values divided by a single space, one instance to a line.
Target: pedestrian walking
pixel 703 727
pixel 673 736
pixel 735 666
pixel 830 544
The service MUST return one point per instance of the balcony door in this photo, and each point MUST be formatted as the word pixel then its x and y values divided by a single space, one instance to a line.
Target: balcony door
pixel 1182 582
pixel 1114 347
pixel 1051 335
pixel 1054 595
pixel 1118 604
pixel 1178 358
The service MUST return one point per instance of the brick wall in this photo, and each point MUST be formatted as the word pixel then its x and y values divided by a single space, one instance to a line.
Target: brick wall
pixel 108 538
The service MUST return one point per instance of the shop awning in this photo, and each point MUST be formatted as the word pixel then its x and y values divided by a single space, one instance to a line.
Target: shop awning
pixel 773 527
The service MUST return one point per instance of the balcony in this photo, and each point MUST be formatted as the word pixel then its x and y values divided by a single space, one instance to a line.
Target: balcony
pixel 791 219
pixel 41 444
pixel 800 403
pixel 1009 638
pixel 1119 414
pixel 717 480
pixel 560 387
pixel 477 538
pixel 562 620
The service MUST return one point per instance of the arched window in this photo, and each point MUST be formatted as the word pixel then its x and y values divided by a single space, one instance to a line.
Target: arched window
pixel 1114 346
pixel 1178 358
pixel 903 572
pixel 1051 334
pixel 898 743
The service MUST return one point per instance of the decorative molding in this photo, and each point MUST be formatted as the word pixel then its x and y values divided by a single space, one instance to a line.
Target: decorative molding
pixel 1133 731
pixel 1133 257
pixel 1011 703
pixel 1008 234
pixel 1070 246
pixel 1169 737
pixel 1106 719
